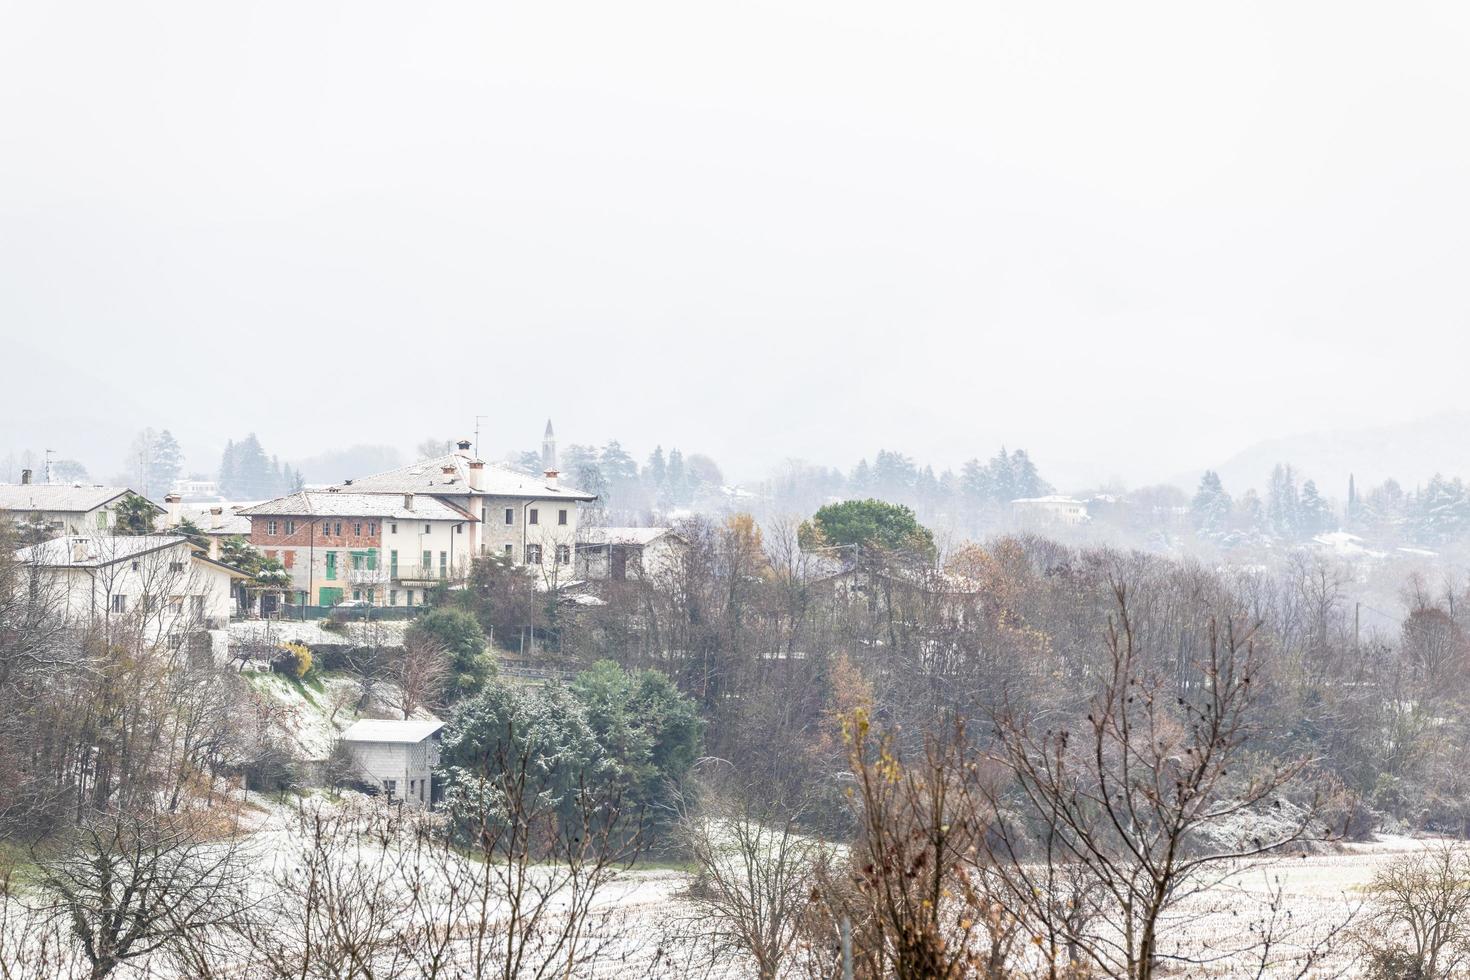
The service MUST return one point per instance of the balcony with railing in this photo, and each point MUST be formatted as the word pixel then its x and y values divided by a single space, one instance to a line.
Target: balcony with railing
pixel 417 574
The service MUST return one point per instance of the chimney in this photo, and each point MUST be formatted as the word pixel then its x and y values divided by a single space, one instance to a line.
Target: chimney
pixel 477 474
pixel 551 476
pixel 78 548
pixel 408 501
pixel 25 477
pixel 216 511
pixel 172 503
pixel 448 469
pixel 464 446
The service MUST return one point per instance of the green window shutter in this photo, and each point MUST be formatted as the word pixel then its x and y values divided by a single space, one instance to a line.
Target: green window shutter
pixel 331 566
pixel 393 563
pixel 428 563
pixel 372 559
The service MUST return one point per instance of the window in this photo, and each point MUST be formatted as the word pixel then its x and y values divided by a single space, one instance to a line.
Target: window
pixel 533 554
pixel 331 566
pixel 563 554
pixel 428 529
pixel 326 528
pixel 413 785
pixel 337 529
pixel 178 566
pixel 428 563
pixel 373 528
pixel 561 516
pixel 392 597
pixel 290 527
pixel 535 517
pixel 391 785
pixel 136 565
pixel 484 514
pixel 372 558
pixel 357 528
pixel 510 515
pixel 357 595
pixel 410 597
pixel 421 789
pixel 176 605
pixel 119 604
pixel 443 564
pixel 196 606
pixel 356 564
pixel 510 552
pixel 102 520
pixel 459 529
pixel 270 527
pixel 288 559
pixel 392 564
pixel 393 528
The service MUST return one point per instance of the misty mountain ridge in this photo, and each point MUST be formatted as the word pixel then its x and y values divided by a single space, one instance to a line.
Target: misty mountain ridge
pixel 1409 452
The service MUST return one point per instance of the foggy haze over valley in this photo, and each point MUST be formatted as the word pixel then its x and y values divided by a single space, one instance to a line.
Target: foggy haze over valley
pixel 1093 233
pixel 747 491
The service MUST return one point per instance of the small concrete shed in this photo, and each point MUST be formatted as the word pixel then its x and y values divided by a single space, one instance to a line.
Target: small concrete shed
pixel 399 756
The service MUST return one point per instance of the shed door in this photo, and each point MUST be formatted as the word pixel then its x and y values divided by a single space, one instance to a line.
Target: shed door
pixel 330 596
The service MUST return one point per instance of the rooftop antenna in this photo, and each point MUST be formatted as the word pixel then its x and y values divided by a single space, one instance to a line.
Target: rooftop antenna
pixel 477 434
pixel 49 452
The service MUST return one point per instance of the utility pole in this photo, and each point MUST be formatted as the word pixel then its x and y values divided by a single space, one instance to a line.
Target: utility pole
pixel 478 418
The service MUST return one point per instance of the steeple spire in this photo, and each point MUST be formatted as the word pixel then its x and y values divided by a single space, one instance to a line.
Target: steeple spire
pixel 548 448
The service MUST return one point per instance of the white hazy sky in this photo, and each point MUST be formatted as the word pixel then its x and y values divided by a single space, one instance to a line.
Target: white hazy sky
pixel 1131 237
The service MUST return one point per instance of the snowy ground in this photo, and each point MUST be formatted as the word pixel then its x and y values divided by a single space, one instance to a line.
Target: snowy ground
pixel 641 916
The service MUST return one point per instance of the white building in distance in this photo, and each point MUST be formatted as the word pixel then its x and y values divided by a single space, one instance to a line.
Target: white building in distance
pixel 1054 509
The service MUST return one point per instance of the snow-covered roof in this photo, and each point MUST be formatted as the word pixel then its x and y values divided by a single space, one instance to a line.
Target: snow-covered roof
pixel 227 523
pixel 1050 499
pixel 496 480
pixel 390 730
pixel 56 497
pixel 85 551
pixel 621 535
pixel 352 503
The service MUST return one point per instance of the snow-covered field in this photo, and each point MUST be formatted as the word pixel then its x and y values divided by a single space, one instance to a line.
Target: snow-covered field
pixel 642 919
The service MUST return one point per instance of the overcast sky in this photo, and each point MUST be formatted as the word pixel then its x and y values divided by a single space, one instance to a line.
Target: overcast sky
pixel 1133 238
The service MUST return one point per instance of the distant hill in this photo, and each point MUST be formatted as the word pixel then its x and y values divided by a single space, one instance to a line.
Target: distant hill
pixel 1410 452
pixel 336 465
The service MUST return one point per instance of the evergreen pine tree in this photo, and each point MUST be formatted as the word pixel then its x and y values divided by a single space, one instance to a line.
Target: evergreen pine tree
pixel 165 464
pixel 656 470
pixel 1211 505
pixel 975 483
pixel 1314 514
pixel 1282 505
pixel 1026 480
pixel 1002 478
pixel 676 483
pixel 228 467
